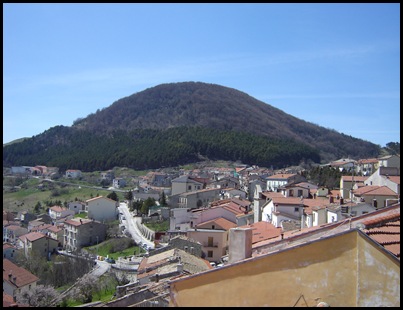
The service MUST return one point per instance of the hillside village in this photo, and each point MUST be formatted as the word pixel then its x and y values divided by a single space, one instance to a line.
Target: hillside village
pixel 243 236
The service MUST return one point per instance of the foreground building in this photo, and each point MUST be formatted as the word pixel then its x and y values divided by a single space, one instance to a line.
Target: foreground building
pixel 334 265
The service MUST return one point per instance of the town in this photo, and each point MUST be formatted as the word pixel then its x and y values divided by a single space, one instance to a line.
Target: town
pixel 241 236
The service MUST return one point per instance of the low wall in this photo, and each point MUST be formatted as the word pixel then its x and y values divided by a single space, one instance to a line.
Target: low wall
pixel 145 231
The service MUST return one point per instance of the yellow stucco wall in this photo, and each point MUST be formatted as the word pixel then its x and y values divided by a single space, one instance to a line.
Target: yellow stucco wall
pixel 303 276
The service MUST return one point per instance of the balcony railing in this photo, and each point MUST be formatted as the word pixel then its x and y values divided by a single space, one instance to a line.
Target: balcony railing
pixel 210 245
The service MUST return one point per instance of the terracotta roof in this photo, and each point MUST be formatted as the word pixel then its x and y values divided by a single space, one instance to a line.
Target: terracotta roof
pixel 271 195
pixel 219 223
pixel 362 190
pixel 19 276
pixel 282 176
pixel 380 191
pixel 287 200
pixel 386 231
pixel 393 178
pixel 77 221
pixel 263 231
pixel 7 246
pixel 349 178
pixel 32 236
pixel 368 161
pixel 58 208
pixel 314 204
pixel 55 229
pixel 13 227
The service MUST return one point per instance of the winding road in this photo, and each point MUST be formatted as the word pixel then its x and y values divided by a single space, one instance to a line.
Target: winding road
pixel 130 223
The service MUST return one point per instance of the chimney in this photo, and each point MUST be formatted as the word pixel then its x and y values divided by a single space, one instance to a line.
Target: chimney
pixel 179 267
pixel 240 244
pixel 9 276
pixel 341 200
pixel 330 199
pixel 282 236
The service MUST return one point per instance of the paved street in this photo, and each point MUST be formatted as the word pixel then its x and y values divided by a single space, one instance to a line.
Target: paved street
pixel 130 224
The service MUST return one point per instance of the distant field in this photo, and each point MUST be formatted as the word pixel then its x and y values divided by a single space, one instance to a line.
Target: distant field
pixel 26 199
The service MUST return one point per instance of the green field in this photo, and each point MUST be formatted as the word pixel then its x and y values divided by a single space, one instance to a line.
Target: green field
pixel 29 195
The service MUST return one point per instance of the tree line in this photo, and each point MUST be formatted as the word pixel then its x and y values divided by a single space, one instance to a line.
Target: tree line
pixel 70 148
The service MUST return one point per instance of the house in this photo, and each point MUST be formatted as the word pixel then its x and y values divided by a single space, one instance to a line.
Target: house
pixel 377 196
pixel 234 210
pixel 385 176
pixel 225 182
pixel 82 232
pixel 367 166
pixel 213 235
pixel 57 232
pixel 198 198
pixel 347 183
pixel 186 244
pixel 76 206
pixel 59 214
pixel 279 209
pixel 35 223
pixel 9 251
pixel 11 233
pixel 278 180
pixel 102 209
pixel 229 193
pixel 338 266
pixel 17 280
pixel 73 174
pixel 345 164
pixel 184 184
pixel 25 217
pixel 389 161
pixel 39 243
pixel 301 189
pixel 118 182
pixel 107 175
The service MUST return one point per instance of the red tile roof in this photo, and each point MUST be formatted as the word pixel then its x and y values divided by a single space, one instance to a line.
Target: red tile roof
pixel 380 191
pixel 32 236
pixel 19 276
pixel 349 178
pixel 287 200
pixel 394 178
pixel 386 231
pixel 282 176
pixel 219 223
pixel 263 231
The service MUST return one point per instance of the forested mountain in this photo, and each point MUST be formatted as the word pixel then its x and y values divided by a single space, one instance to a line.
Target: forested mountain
pixel 177 123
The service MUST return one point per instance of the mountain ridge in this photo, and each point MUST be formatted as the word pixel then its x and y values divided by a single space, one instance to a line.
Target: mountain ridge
pixel 197 105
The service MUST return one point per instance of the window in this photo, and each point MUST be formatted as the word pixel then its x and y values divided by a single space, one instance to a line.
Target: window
pixel 209 253
pixel 210 241
pixel 296 209
pixel 189 187
pixel 212 226
pixel 300 193
pixel 291 193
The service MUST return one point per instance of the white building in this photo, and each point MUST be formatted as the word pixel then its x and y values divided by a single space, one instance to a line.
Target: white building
pixel 102 209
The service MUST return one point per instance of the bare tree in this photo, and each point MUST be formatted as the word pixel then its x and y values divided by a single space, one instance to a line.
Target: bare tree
pixel 86 287
pixel 39 296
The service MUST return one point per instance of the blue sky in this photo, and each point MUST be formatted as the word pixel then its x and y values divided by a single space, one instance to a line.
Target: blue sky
pixel 335 65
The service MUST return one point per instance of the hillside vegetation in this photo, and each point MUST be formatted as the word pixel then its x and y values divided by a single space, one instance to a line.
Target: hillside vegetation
pixel 180 123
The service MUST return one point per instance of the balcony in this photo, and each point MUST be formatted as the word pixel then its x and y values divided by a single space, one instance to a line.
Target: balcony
pixel 210 245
